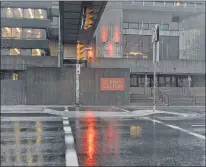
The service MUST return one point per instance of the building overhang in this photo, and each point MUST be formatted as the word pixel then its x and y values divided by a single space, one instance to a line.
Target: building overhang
pixel 71 20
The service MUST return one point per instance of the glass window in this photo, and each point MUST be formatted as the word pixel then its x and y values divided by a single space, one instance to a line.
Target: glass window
pixel 15 51
pixel 3 12
pixel 146 26
pixel 27 33
pixel 26 52
pixel 36 52
pixel 55 21
pixel 6 32
pixel 15 76
pixel 166 27
pixel 18 12
pixel 9 12
pixel 169 4
pixel 160 4
pixel 4 51
pixel 17 33
pixel 40 14
pixel 189 4
pixel 29 13
pixel 36 33
pixel 133 80
pixel 125 25
pixel 134 25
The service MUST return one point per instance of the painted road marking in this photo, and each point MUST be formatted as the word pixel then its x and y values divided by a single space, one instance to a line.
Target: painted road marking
pixel 178 128
pixel 198 125
pixel 121 109
pixel 70 154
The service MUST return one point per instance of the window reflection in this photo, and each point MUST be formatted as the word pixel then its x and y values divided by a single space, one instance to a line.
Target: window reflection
pixel 6 32
pixel 15 51
pixel 18 12
pixel 16 32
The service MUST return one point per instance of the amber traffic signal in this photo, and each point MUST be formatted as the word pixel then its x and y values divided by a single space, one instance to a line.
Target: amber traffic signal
pixel 89 18
pixel 80 51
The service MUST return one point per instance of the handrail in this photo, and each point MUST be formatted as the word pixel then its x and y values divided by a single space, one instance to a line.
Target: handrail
pixel 161 95
pixel 189 92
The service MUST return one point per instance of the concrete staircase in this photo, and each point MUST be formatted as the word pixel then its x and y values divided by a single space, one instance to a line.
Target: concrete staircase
pixel 199 94
pixel 177 97
pixel 144 100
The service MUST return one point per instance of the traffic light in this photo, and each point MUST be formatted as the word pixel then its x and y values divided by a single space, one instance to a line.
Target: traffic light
pixel 80 51
pixel 90 57
pixel 89 18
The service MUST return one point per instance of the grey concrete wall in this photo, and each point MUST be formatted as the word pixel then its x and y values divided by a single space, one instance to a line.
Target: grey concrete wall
pixel 56 86
pixel 12 92
pixel 144 66
pixel 23 44
pixel 26 23
pixel 22 62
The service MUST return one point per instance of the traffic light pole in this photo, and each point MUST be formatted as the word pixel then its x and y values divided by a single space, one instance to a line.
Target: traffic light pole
pixel 77 81
pixel 155 41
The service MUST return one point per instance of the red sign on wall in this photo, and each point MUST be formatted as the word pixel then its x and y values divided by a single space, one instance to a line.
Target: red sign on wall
pixel 112 84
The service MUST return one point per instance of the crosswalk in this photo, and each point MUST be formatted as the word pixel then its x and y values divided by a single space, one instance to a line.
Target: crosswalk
pixel 32 143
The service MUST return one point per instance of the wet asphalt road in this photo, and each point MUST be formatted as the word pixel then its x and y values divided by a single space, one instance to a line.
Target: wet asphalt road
pixel 100 141
pixel 134 142
pixel 32 143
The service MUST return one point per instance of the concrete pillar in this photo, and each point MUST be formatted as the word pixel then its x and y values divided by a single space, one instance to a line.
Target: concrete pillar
pixel 189 81
pixel 145 84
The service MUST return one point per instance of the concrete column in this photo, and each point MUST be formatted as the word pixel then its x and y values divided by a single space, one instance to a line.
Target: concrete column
pixel 145 84
pixel 189 81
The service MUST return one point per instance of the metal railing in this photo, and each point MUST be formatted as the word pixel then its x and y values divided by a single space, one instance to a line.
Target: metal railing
pixel 163 97
pixel 187 92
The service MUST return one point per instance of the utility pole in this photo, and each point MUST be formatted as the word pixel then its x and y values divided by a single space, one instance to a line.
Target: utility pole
pixel 155 41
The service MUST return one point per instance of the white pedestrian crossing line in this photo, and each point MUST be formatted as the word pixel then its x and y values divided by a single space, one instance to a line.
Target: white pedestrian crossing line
pixel 198 125
pixel 70 154
pixel 178 128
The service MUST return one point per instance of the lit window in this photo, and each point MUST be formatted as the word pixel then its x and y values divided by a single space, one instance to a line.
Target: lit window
pixel 6 32
pixel 15 51
pixel 29 13
pixel 40 14
pixel 9 12
pixel 36 52
pixel 177 4
pixel 15 76
pixel 16 32
pixel 27 33
pixel 18 12
pixel 36 33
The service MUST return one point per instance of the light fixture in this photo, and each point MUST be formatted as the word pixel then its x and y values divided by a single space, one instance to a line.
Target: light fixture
pixel 38 50
pixel 30 12
pixel 41 17
pixel 7 29
pixel 40 11
pixel 29 31
pixel 8 8
pixel 18 30
pixel 17 50
pixel 177 4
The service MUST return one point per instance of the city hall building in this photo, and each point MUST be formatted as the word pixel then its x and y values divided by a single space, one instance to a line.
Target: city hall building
pixel 122 40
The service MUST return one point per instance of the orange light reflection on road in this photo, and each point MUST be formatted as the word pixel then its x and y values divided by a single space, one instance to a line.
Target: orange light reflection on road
pixel 90 143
